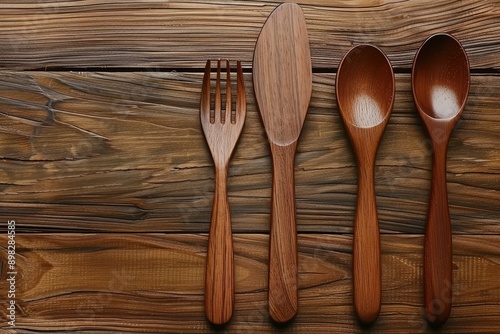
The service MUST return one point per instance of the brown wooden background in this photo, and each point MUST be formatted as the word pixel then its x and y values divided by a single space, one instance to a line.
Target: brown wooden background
pixel 105 170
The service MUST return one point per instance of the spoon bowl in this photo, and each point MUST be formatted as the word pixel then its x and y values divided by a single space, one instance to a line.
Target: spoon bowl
pixel 365 96
pixel 440 85
pixel 365 87
pixel 440 78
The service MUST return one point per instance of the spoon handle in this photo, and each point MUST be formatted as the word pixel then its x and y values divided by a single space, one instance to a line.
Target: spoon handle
pixel 282 298
pixel 438 244
pixel 366 249
pixel 219 281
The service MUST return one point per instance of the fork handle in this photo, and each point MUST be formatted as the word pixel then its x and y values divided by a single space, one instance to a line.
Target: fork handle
pixel 219 281
pixel 282 298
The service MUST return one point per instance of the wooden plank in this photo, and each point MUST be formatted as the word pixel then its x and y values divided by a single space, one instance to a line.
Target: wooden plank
pixel 125 152
pixel 154 282
pixel 183 34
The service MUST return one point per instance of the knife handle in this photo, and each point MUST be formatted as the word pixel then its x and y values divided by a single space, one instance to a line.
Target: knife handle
pixel 283 280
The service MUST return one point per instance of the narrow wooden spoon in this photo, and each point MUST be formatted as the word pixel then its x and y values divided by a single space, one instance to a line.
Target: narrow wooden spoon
pixel 440 84
pixel 282 77
pixel 365 96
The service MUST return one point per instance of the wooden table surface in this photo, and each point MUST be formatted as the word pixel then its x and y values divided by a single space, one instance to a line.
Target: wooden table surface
pixel 106 173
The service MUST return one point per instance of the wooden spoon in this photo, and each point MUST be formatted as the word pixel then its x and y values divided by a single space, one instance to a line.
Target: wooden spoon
pixel 282 77
pixel 440 84
pixel 365 96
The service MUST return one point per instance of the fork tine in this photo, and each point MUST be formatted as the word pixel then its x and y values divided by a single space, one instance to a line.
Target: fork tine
pixel 205 93
pixel 218 97
pixel 228 113
pixel 241 98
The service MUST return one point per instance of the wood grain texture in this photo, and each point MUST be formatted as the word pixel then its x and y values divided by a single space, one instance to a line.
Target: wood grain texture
pixel 180 34
pixel 365 91
pixel 125 152
pixel 440 85
pixel 95 159
pixel 222 129
pixel 141 282
pixel 282 80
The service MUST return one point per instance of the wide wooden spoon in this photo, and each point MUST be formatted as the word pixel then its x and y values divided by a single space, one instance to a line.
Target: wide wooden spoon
pixel 282 77
pixel 365 96
pixel 440 84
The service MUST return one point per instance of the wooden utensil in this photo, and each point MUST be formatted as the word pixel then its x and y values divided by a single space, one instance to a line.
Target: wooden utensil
pixel 222 130
pixel 440 84
pixel 282 77
pixel 365 96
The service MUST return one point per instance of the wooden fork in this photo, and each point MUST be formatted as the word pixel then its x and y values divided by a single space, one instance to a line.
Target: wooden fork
pixel 222 129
